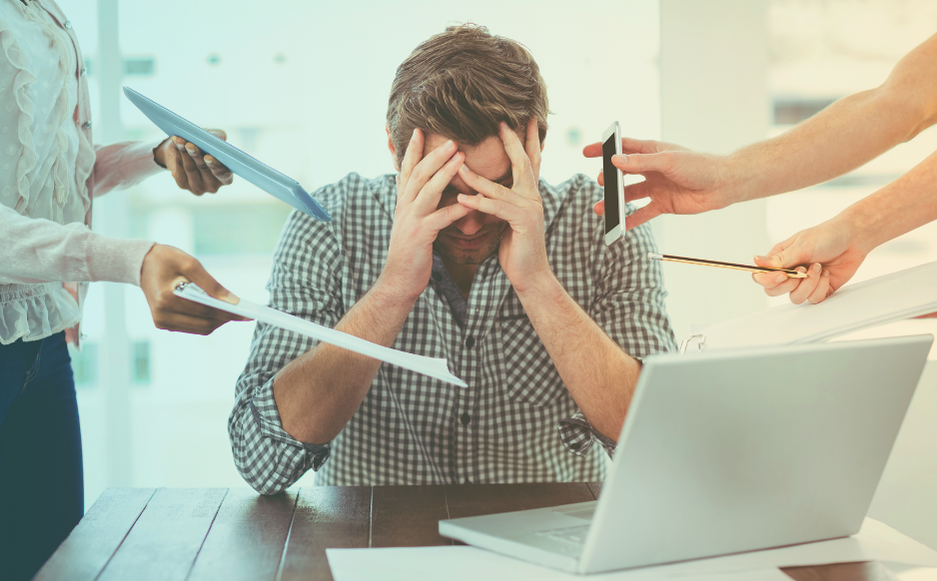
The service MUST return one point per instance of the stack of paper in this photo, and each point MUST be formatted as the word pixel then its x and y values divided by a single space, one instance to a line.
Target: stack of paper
pixel 874 542
pixel 901 295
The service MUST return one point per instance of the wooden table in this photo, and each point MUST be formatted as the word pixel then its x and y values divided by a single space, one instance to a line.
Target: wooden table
pixel 171 534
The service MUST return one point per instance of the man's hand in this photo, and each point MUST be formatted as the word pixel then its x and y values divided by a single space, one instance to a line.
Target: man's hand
pixel 522 254
pixel 193 170
pixel 164 267
pixel 417 221
pixel 830 245
pixel 677 180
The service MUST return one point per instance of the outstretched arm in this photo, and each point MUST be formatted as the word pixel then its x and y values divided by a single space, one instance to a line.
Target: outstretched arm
pixel 845 135
pixel 842 243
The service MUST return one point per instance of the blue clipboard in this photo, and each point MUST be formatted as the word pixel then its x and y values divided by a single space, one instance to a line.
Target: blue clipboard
pixel 263 176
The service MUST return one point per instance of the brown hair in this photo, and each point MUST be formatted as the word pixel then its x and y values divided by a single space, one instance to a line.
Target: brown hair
pixel 461 83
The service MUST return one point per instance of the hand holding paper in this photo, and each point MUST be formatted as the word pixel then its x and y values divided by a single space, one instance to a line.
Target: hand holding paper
pixel 429 366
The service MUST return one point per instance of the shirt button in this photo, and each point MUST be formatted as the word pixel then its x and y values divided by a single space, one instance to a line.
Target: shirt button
pixel 68 24
pixel 470 342
pixel 83 71
pixel 86 125
pixel 465 419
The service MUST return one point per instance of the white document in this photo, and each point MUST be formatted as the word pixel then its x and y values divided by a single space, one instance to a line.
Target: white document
pixel 429 366
pixel 471 564
pixel 874 542
pixel 892 297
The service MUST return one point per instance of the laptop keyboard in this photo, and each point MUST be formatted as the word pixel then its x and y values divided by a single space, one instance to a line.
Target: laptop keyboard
pixel 575 535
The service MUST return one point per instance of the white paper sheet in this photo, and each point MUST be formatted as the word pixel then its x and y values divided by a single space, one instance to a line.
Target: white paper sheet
pixel 470 564
pixel 430 366
pixel 874 542
pixel 892 297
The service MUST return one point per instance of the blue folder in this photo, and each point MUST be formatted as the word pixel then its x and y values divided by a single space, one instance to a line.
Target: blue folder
pixel 254 171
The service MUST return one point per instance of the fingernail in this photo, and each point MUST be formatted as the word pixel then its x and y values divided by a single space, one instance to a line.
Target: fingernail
pixel 815 269
pixel 179 146
pixel 621 158
pixel 780 278
pixel 191 149
pixel 758 257
pixel 414 134
pixel 450 144
pixel 826 274
pixel 209 161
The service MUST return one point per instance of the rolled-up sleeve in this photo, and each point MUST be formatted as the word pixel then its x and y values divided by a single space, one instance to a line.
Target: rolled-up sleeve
pixel 629 306
pixel 304 284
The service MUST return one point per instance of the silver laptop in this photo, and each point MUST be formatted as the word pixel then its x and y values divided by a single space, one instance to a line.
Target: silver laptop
pixel 726 452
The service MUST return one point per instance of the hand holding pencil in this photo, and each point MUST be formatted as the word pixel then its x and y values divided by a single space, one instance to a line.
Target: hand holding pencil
pixel 833 252
pixel 786 272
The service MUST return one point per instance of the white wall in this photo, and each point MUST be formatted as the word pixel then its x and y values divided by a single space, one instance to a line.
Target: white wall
pixel 713 72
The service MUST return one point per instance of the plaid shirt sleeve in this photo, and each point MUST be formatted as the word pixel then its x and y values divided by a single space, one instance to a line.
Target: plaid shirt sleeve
pixel 303 283
pixel 629 306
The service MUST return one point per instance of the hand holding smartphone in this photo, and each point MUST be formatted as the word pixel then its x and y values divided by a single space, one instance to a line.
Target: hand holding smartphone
pixel 614 185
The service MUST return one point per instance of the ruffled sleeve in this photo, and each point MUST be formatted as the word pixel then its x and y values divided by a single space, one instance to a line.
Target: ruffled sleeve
pixel 16 139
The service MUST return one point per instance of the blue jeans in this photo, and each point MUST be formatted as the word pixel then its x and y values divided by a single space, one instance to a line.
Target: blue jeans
pixel 41 479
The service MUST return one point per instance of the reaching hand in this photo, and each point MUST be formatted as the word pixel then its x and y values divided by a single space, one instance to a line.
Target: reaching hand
pixel 677 180
pixel 193 170
pixel 164 267
pixel 522 253
pixel 830 251
pixel 417 221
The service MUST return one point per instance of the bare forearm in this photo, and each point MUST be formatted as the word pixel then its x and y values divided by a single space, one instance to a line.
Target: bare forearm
pixel 903 205
pixel 319 391
pixel 845 135
pixel 599 375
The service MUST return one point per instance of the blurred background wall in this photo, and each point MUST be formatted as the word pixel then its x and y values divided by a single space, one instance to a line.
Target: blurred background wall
pixel 303 86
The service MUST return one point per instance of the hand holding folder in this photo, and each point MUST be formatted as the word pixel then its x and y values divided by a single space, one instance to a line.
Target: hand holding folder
pixel 254 171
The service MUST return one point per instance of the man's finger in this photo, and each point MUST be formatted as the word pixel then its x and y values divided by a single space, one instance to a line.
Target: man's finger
pixel 426 170
pixel 444 217
pixel 521 164
pixel 430 193
pixel 532 146
pixel 491 190
pixel 497 208
pixel 411 158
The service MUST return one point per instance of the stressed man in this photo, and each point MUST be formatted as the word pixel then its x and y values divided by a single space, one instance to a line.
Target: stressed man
pixel 463 254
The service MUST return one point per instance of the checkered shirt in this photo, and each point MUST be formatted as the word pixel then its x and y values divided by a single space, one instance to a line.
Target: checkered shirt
pixel 516 422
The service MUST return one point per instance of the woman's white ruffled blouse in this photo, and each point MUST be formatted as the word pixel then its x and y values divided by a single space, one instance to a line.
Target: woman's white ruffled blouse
pixel 49 172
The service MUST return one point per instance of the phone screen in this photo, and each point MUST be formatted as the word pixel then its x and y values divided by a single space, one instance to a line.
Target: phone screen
pixel 612 187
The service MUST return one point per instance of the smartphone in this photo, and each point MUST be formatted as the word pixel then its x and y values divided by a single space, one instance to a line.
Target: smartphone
pixel 614 185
